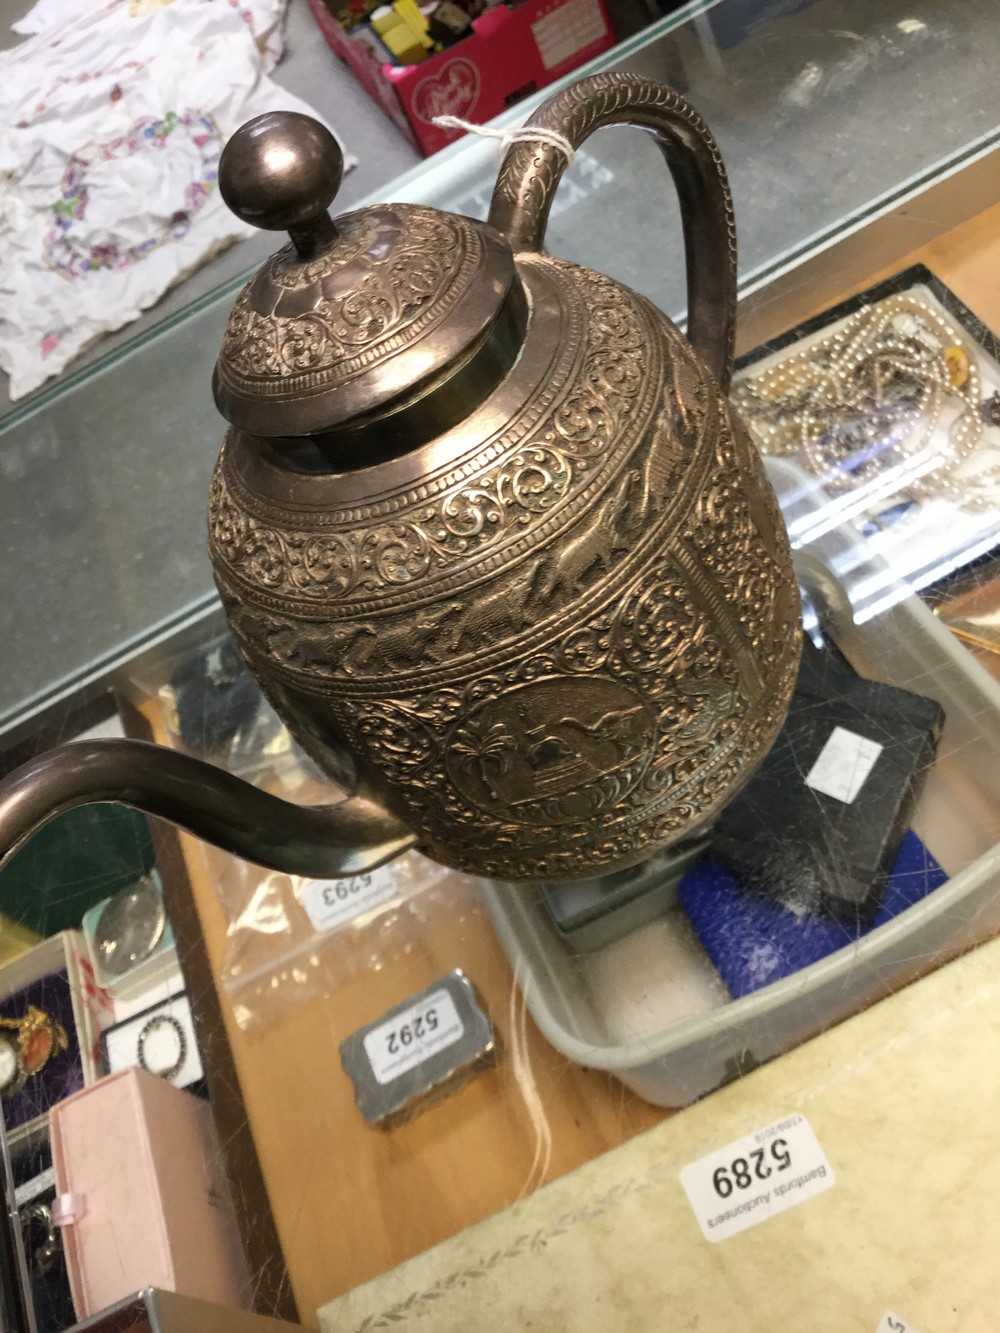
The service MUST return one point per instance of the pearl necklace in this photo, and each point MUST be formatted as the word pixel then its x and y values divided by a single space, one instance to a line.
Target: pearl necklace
pixel 893 389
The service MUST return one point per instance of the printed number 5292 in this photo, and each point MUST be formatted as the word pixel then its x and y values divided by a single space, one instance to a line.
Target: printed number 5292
pixel 407 1033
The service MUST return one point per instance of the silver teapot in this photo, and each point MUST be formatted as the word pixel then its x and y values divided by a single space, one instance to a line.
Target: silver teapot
pixel 484 521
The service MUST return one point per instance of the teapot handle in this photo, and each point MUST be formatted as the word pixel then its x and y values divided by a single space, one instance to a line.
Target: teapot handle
pixel 531 172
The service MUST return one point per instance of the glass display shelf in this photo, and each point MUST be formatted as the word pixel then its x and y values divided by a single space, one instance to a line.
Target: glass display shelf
pixel 103 504
pixel 830 116
pixel 598 1041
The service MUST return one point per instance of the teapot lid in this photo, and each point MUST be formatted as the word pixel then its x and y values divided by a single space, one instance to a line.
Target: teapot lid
pixel 356 316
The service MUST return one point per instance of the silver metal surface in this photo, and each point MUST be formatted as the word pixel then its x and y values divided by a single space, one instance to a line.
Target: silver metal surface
pixel 505 607
pixel 438 1075
pixel 281 172
pixel 364 319
pixel 829 120
pixel 344 839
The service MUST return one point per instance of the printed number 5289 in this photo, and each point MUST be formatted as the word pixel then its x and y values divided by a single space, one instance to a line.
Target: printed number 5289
pixel 759 1164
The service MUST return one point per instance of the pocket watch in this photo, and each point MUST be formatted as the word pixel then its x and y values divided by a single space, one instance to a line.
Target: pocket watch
pixel 12 1077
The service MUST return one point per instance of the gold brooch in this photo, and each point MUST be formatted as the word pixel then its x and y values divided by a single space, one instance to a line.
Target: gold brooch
pixel 26 1046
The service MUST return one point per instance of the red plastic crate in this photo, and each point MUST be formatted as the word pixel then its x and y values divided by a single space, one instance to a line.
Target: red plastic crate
pixel 510 53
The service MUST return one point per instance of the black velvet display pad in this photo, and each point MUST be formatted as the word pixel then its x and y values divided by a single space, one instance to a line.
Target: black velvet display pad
pixel 63 1074
pixel 50 1291
pixel 808 849
pixel 216 699
pixel 14 1285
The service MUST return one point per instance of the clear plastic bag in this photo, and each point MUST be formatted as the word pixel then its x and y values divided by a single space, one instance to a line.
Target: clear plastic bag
pixel 289 940
pixel 292 940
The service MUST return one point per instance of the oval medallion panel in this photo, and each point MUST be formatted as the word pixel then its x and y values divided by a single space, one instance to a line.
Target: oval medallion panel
pixel 554 750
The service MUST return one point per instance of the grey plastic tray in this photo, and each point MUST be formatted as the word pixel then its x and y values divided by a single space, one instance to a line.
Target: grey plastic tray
pixel 651 1009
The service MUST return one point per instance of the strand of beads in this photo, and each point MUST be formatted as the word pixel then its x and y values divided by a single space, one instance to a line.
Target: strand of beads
pixel 892 388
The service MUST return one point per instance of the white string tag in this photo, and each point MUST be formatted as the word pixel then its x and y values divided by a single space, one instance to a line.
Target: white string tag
pixel 504 138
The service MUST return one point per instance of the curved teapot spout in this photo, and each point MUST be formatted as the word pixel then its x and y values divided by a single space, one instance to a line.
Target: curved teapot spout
pixel 322 842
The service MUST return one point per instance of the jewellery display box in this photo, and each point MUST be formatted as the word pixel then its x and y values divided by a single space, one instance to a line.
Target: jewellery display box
pixel 652 1009
pixel 141 1167
pixel 156 1311
pixel 15 939
pixel 160 1039
pixel 891 402
pixel 33 1178
pixel 51 979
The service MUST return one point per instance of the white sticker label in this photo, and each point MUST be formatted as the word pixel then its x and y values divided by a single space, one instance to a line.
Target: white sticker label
pixel 403 1042
pixel 752 1179
pixel 568 29
pixel 843 764
pixel 331 902
pixel 892 1323
pixel 37 1185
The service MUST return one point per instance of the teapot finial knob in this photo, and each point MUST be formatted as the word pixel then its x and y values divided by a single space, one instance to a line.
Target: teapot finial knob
pixel 282 170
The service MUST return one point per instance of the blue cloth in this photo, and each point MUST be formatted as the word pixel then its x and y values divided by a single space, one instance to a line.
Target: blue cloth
pixel 753 941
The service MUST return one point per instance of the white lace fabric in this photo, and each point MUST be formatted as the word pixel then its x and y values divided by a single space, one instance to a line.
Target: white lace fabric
pixel 114 118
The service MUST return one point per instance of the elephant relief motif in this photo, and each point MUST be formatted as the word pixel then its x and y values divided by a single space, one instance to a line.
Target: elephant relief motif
pixel 543 648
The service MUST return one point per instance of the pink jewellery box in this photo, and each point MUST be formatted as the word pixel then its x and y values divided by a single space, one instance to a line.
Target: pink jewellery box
pixel 142 1195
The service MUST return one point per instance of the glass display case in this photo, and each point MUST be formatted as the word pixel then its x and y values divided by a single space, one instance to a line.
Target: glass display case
pixel 863 157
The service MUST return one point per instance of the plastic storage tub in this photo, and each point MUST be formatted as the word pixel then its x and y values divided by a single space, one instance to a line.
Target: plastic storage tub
pixel 651 1009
